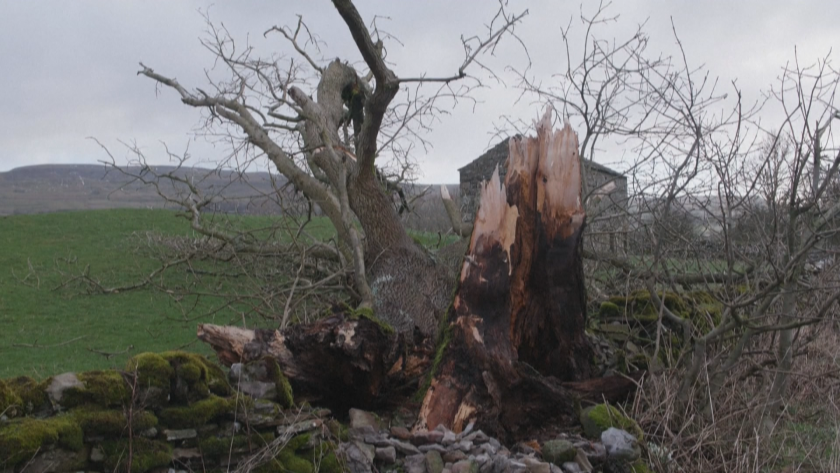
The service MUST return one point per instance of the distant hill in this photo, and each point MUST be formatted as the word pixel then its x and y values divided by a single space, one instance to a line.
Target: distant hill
pixel 62 187
pixel 65 187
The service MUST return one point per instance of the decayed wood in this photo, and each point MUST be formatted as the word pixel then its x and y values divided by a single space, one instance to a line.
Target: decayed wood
pixel 338 361
pixel 518 319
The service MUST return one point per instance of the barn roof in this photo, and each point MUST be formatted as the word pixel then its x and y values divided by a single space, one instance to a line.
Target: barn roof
pixel 499 152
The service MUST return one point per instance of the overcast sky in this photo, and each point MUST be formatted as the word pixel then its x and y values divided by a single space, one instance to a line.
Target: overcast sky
pixel 69 67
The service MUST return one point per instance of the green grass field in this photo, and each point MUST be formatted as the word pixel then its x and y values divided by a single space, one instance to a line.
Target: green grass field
pixel 47 329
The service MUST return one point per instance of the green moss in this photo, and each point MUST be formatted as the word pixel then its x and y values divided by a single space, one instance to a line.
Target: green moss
pixel 294 463
pixel 102 388
pixel 152 370
pixel 143 453
pixel 707 313
pixel 202 376
pixel 640 467
pixel 598 418
pixel 298 442
pixel 621 361
pixel 21 438
pixel 367 313
pixel 220 447
pixel 609 310
pixel 699 307
pixel 285 396
pixel 33 394
pixel 11 405
pixel 338 430
pixel 287 462
pixel 112 422
pixel 330 464
pixel 443 342
pixel 197 413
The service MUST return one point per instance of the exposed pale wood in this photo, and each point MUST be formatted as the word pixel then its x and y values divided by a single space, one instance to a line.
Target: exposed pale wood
pixel 454 213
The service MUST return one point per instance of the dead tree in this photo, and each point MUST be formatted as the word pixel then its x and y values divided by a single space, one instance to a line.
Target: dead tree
pixel 514 356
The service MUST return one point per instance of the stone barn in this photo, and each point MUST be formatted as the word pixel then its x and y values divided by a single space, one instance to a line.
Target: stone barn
pixel 605 212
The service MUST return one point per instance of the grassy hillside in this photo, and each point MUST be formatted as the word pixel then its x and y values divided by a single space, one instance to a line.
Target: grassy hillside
pixel 45 330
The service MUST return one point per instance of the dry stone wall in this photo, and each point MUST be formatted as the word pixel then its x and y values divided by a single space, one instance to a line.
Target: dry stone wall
pixel 178 412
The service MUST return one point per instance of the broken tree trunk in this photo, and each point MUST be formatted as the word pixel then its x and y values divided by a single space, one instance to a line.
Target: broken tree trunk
pixel 338 361
pixel 513 356
pixel 518 319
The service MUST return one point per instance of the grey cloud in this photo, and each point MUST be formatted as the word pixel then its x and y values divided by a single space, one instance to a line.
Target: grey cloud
pixel 69 67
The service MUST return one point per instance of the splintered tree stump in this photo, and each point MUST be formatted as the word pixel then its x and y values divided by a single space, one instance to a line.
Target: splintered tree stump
pixel 513 356
pixel 518 319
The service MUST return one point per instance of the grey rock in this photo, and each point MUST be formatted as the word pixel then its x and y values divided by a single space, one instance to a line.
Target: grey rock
pixel 379 440
pixel 489 449
pixel 593 450
pixel 61 383
pixel 183 434
pixel 500 464
pixel 449 438
pixel 96 454
pixel 357 458
pixel 620 445
pixel 258 389
pixel 401 433
pixel 465 466
pixel 415 463
pixel 433 462
pixel 360 418
pixel 432 447
pixel 467 430
pixel 186 454
pixel 149 433
pixel 235 374
pixel 582 460
pixel 536 466
pixel 359 433
pixel 454 456
pixel 405 447
pixel 387 455
pixel 477 437
pixel 427 437
pixel 558 451
pixel 54 460
pixel 464 445
pixel 266 407
pixel 572 467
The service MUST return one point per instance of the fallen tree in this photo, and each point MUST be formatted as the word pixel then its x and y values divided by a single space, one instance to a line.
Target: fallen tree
pixel 513 355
